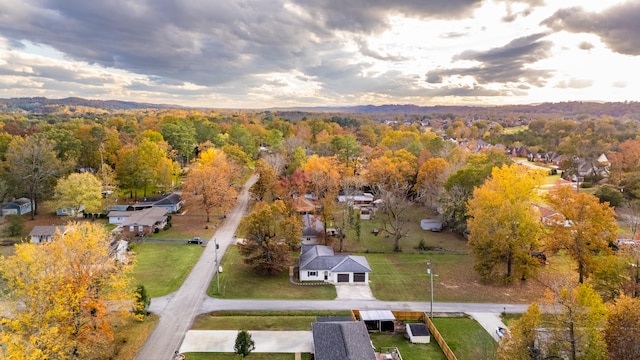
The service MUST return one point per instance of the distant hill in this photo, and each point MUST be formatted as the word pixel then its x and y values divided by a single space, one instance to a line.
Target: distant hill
pixel 43 105
pixel 574 109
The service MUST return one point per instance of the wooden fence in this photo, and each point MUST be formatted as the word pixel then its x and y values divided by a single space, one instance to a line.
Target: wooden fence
pixel 419 316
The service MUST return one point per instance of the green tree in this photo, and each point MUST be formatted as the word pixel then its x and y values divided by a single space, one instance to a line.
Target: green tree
pixel 609 195
pixel 347 150
pixel 15 225
pixel 244 344
pixel 503 226
pixel 584 228
pixel 520 343
pixel 271 232
pixel 181 136
pixel 78 191
pixel 142 302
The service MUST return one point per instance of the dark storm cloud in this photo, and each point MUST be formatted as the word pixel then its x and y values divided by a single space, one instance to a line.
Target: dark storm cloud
pixel 618 27
pixel 207 42
pixel 507 64
pixel 369 16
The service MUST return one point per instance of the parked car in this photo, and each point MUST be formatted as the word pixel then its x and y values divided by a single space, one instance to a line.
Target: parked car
pixel 501 332
pixel 195 240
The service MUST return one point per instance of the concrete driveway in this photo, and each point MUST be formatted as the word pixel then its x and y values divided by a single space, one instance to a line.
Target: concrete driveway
pixel 354 292
pixel 265 341
pixel 489 321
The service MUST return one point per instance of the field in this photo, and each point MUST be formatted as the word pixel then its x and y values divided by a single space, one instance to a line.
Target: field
pixel 466 338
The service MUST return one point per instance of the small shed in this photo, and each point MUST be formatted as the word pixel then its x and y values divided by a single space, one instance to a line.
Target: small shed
pixel 432 224
pixel 378 320
pixel 41 234
pixel 418 333
pixel 19 206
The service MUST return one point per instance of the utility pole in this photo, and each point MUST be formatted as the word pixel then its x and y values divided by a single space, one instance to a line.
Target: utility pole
pixel 217 266
pixel 431 281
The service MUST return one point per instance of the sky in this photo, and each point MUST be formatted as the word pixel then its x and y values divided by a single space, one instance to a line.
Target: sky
pixel 287 53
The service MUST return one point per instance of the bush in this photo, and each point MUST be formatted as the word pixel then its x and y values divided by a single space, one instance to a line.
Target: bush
pixel 610 195
pixel 244 344
pixel 15 225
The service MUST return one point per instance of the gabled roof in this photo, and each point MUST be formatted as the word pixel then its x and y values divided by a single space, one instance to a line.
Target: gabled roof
pixel 311 225
pixel 119 213
pixel 146 217
pixel 40 230
pixel 342 341
pixel 171 199
pixel 320 257
pixel 302 204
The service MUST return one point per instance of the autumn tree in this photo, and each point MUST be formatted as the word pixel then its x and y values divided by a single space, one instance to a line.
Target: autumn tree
pixel 210 183
pixel 459 187
pixel 322 177
pixel 393 210
pixel 78 191
pixel 145 166
pixel 33 166
pixel 263 189
pixel 577 316
pixel 503 226
pixel 584 228
pixel 622 330
pixel 432 175
pixel 520 343
pixel 61 295
pixel 271 233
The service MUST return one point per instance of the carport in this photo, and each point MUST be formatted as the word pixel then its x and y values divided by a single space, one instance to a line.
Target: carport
pixel 378 320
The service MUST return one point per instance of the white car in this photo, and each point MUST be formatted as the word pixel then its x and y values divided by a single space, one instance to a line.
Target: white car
pixel 501 332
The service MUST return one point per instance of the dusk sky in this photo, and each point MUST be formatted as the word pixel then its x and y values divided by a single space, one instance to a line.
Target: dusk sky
pixel 280 53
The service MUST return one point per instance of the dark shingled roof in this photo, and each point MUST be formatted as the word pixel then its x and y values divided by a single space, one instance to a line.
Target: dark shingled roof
pixel 342 341
pixel 320 257
pixel 419 329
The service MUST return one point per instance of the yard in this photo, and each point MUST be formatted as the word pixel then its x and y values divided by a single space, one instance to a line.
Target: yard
pixel 237 281
pixel 466 338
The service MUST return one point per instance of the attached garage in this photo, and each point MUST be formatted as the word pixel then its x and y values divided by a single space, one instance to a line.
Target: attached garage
pixel 343 278
pixel 359 277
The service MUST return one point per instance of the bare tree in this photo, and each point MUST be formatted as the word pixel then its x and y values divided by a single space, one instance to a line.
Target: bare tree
pixel 394 209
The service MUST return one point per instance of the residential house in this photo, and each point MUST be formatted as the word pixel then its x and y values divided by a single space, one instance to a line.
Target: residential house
pixel 344 340
pixel 40 234
pixel 144 222
pixel 119 216
pixel 69 211
pixel 171 202
pixel 19 206
pixel 312 229
pixel 319 263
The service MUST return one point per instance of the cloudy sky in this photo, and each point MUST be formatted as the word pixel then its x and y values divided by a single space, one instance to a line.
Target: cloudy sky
pixel 269 53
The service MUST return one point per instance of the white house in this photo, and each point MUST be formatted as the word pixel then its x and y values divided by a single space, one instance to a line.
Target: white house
pixel 40 234
pixel 319 263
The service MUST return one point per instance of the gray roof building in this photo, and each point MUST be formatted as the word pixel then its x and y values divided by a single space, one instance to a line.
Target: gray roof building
pixel 320 257
pixel 342 341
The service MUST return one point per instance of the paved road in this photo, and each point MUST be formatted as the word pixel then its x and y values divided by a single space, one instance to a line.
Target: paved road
pixel 180 308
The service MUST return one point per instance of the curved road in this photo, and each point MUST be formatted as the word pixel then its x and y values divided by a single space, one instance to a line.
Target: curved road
pixel 178 310
pixel 181 307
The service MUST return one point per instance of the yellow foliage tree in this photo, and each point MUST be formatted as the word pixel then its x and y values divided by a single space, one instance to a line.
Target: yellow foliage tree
pixel 60 293
pixel 584 228
pixel 503 227
pixel 79 190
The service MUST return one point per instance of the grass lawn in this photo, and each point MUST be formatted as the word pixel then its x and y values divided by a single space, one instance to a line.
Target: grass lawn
pixel 261 320
pixel 162 268
pixel 237 281
pixel 467 339
pixel 252 356
pixel 408 350
pixel 130 336
pixel 403 277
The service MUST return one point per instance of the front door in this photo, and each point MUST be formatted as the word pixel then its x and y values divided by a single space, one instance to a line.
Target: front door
pixel 326 275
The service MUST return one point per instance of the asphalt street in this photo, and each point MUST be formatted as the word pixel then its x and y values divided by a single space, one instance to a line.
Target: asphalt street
pixel 181 307
pixel 178 310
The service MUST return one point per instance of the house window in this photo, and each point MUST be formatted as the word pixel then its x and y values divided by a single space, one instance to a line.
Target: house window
pixel 140 228
pixel 312 273
pixel 132 228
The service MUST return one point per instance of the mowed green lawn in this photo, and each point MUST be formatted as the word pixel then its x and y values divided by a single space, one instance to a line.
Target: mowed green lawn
pixel 162 268
pixel 407 350
pixel 466 338
pixel 238 281
pixel 261 320
pixel 252 356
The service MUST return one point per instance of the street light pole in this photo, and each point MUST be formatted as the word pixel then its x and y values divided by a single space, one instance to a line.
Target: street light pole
pixel 431 281
pixel 217 266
